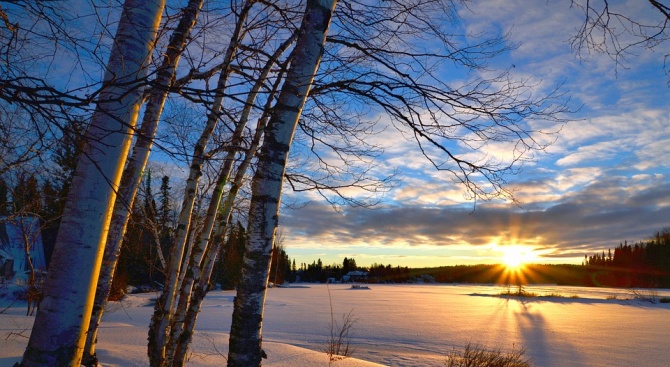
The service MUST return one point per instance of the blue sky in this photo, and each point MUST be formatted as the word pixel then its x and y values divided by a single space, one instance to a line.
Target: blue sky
pixel 603 181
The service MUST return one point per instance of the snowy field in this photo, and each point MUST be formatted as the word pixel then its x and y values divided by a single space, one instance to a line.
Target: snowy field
pixel 401 325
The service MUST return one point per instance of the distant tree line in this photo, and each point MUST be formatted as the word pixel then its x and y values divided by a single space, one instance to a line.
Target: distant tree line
pixel 317 272
pixel 377 273
pixel 642 264
pixel 380 273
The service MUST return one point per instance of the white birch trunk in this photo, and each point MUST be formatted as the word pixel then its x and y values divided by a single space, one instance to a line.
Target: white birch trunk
pixel 245 347
pixel 164 308
pixel 197 269
pixel 59 331
pixel 204 272
pixel 132 174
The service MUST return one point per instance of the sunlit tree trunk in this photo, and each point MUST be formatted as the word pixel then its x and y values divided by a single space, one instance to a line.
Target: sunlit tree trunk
pixel 59 331
pixel 165 304
pixel 132 174
pixel 245 347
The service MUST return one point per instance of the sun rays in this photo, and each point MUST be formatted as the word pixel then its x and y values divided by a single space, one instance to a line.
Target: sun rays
pixel 515 264
pixel 515 257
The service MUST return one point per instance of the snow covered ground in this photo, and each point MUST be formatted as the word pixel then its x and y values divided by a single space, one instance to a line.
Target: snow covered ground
pixel 401 325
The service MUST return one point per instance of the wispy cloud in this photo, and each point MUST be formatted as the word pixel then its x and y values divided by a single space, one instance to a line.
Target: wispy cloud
pixel 605 179
pixel 602 214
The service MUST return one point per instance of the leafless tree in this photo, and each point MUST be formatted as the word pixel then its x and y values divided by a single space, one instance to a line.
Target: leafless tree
pixel 40 42
pixel 612 29
pixel 133 171
pixel 390 68
pixel 179 251
pixel 245 348
pixel 59 332
pixel 22 138
pixel 377 55
pixel 206 247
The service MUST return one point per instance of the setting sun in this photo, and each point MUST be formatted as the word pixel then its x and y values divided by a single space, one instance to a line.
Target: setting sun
pixel 515 256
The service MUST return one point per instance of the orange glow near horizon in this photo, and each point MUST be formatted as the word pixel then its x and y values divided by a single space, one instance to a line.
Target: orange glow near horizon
pixel 514 264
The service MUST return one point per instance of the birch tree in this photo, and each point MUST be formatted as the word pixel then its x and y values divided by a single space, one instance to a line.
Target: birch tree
pixel 245 346
pixel 165 305
pixel 202 258
pixel 59 332
pixel 133 171
pixel 379 56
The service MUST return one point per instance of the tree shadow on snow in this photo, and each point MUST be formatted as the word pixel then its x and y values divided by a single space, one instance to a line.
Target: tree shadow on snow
pixel 578 300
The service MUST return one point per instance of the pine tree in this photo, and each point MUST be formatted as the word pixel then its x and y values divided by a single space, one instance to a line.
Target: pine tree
pixel 66 153
pixel 229 264
pixel 56 188
pixel 149 200
pixel 165 204
pixel 165 220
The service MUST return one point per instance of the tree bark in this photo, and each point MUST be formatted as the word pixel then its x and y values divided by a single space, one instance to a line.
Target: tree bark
pixel 245 347
pixel 204 272
pixel 204 254
pixel 59 332
pixel 161 320
pixel 132 174
pixel 204 266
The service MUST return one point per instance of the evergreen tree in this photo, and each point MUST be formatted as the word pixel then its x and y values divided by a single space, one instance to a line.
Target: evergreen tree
pixel 165 222
pixel 348 265
pixel 149 201
pixel 55 189
pixel 139 263
pixel 65 155
pixel 52 210
pixel 131 264
pixel 228 268
pixel 280 265
pixel 165 206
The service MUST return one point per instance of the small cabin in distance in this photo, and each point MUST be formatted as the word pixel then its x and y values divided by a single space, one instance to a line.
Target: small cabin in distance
pixel 355 276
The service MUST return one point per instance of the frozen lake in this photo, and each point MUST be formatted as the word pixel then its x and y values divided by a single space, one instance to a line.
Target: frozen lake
pixel 408 325
pixel 416 325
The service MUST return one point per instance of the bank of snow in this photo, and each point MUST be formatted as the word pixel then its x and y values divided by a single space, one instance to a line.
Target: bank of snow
pixel 401 325
pixel 123 335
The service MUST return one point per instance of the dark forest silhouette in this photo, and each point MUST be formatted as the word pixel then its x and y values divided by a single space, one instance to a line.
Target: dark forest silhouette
pixel 642 264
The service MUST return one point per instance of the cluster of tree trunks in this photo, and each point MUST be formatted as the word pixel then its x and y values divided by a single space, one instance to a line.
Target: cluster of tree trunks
pixel 106 187
pixel 326 88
